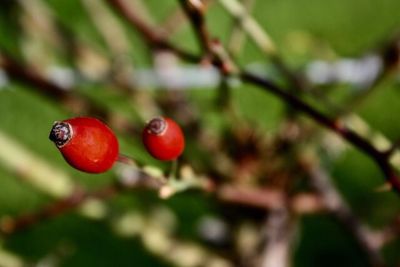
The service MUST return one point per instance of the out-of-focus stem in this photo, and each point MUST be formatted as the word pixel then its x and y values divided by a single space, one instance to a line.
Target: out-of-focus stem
pixel 152 37
pixel 368 241
pixel 107 26
pixel 11 225
pixel 280 232
pixel 238 36
pixel 336 126
pixel 33 169
pixel 195 9
pixel 258 35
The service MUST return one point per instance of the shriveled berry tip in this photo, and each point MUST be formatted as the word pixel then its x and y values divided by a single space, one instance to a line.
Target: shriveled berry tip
pixel 157 126
pixel 60 133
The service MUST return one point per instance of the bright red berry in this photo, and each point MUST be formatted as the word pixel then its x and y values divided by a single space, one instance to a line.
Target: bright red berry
pixel 163 138
pixel 87 144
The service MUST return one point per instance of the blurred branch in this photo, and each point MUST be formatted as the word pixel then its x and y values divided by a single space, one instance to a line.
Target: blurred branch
pixel 11 225
pixel 108 27
pixel 15 71
pixel 31 168
pixel 250 26
pixel 388 234
pixel 390 57
pixel 75 102
pixel 280 232
pixel 336 205
pixel 75 199
pixel 177 19
pixel 279 227
pixel 334 125
pixel 195 10
pixel 270 199
pixel 263 41
pixel 156 228
pixel 174 22
pixel 212 48
pixel 146 177
pixel 21 73
pixel 41 19
pixel 28 76
pixel 393 148
pixel 152 37
pixel 238 37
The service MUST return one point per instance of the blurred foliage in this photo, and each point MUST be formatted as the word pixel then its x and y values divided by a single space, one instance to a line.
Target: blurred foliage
pixel 304 30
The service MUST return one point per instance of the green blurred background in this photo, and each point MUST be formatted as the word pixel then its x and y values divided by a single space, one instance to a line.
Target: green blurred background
pixel 303 30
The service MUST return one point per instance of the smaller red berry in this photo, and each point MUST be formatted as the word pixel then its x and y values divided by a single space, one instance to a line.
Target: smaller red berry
pixel 87 144
pixel 163 138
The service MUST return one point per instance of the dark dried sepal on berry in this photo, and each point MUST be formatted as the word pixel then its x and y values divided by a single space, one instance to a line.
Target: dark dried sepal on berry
pixel 61 133
pixel 157 126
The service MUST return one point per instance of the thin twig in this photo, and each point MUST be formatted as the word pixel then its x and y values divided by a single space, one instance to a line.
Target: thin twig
pixel 280 232
pixel 20 73
pixel 195 9
pixel 237 38
pixel 152 37
pixel 108 27
pixel 336 205
pixel 295 102
pixel 16 71
pixel 390 56
pixel 257 34
pixel 12 225
pixel 77 198
pixel 333 124
pixel 263 199
pixel 392 149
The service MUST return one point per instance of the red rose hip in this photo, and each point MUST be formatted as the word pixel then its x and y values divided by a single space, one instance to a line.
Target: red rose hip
pixel 87 144
pixel 163 138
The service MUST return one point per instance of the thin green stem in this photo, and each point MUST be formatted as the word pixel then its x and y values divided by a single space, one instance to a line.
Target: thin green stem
pixel 173 173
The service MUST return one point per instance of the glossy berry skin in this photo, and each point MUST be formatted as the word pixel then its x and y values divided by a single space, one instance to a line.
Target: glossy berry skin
pixel 163 139
pixel 87 144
